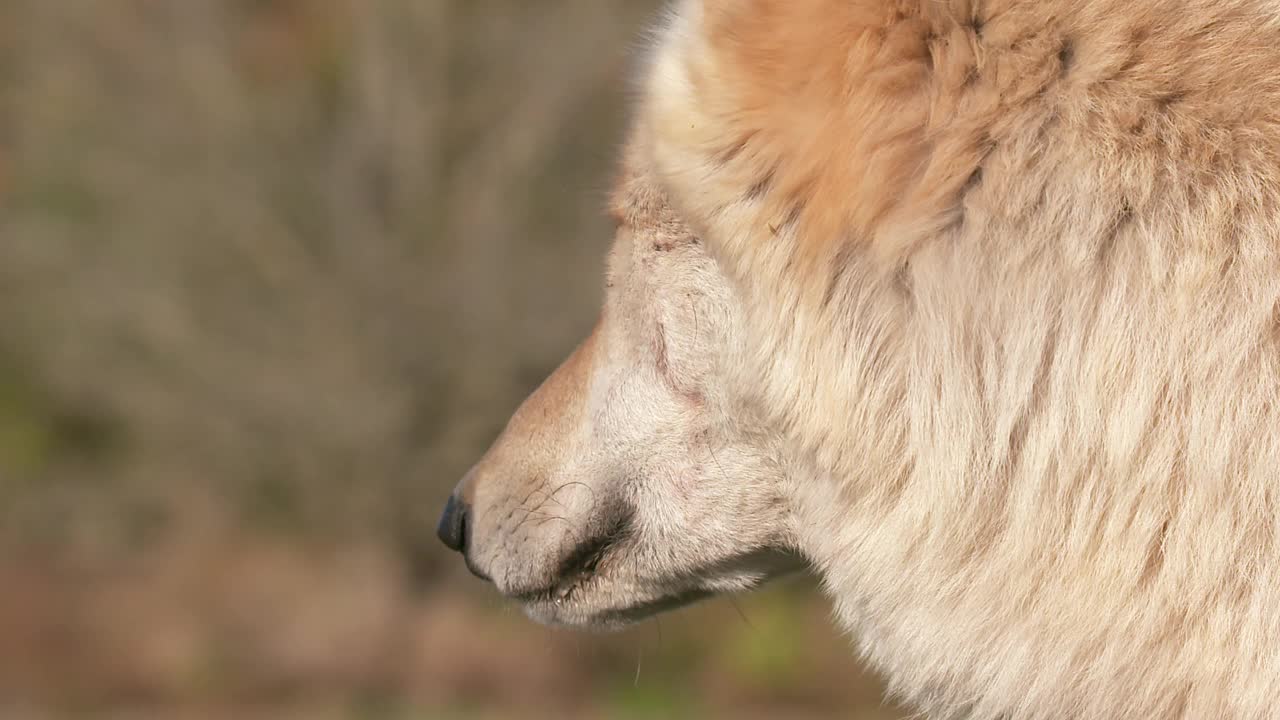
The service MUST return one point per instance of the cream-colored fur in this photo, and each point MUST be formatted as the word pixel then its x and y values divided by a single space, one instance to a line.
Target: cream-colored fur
pixel 981 301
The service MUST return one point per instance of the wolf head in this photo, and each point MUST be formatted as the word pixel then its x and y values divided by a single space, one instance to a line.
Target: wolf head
pixel 634 479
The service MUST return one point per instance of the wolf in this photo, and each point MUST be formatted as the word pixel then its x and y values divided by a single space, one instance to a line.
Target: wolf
pixel 970 306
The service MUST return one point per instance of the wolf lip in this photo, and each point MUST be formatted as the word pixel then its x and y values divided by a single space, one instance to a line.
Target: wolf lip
pixel 580 568
pixel 581 564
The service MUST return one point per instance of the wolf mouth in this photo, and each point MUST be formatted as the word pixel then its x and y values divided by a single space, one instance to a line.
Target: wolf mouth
pixel 569 601
pixel 582 564
pixel 650 608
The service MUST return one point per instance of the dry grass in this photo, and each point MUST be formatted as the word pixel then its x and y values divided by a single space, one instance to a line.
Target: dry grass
pixel 273 273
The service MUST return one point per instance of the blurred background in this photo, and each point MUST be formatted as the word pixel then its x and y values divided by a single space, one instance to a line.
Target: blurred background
pixel 273 273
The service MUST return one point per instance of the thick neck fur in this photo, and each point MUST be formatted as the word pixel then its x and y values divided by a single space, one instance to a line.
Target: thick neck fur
pixel 1012 286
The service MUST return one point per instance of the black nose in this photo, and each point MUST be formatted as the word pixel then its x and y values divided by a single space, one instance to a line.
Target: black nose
pixel 453 525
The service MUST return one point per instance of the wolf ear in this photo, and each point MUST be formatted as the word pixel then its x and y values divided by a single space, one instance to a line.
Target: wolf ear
pixel 787 130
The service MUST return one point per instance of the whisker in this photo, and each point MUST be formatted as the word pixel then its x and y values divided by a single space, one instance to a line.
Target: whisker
pixel 741 614
pixel 715 459
pixel 577 483
pixel 639 661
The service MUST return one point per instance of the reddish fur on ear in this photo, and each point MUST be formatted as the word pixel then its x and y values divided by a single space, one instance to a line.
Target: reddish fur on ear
pixel 799 128
pixel 821 113
pixel 835 167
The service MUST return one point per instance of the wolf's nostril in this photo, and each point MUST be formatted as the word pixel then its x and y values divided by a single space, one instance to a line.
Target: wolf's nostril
pixel 452 529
